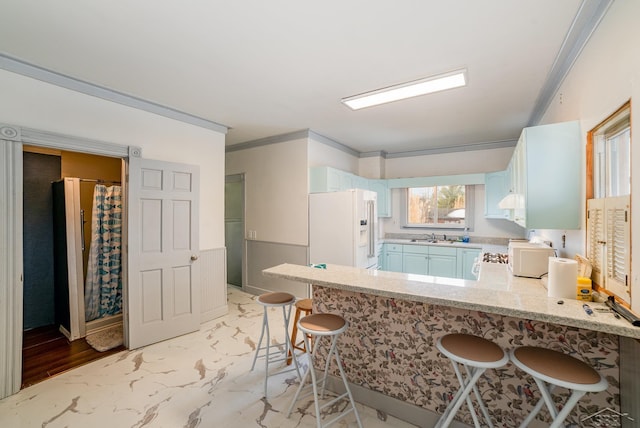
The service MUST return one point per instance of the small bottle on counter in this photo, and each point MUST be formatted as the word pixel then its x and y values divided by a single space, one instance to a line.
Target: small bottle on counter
pixel 465 237
pixel 583 289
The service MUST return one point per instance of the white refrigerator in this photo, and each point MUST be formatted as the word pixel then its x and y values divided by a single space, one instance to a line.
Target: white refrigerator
pixel 343 228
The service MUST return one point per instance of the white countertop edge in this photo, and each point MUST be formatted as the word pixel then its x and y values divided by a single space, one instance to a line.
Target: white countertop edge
pixel 456 293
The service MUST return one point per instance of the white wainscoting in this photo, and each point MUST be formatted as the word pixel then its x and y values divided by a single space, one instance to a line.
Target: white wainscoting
pixel 213 274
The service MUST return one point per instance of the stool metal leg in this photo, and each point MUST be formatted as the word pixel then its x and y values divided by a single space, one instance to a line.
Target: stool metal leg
pixel 305 377
pixel 453 407
pixel 483 408
pixel 294 335
pixel 268 358
pixel 264 323
pixel 287 340
pixel 346 385
pixel 558 417
pixel 568 406
pixel 333 351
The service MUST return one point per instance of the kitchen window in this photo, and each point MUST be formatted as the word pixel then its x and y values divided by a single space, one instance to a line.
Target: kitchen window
pixel 609 203
pixel 442 207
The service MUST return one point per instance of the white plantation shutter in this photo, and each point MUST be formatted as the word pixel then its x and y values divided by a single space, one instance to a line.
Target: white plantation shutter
pixel 595 238
pixel 608 243
pixel 618 237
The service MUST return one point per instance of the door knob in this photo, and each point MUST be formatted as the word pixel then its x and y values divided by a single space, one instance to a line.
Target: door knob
pixel 194 258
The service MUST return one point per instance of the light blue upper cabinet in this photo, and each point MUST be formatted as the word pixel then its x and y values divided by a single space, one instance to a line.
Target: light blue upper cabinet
pixel 324 179
pixel 327 179
pixel 548 176
pixel 384 196
pixel 361 182
pixel 496 187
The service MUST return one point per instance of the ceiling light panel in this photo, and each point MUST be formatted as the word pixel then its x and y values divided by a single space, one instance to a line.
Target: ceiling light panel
pixel 440 82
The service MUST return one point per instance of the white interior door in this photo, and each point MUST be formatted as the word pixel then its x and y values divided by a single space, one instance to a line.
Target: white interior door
pixel 163 277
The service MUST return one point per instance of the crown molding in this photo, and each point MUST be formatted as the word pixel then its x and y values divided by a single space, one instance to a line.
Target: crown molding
pixel 466 148
pixel 584 24
pixel 17 66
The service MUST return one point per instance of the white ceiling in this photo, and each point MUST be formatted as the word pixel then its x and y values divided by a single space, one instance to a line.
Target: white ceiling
pixel 265 68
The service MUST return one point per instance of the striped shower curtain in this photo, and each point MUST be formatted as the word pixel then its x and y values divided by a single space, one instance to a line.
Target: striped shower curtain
pixel 103 286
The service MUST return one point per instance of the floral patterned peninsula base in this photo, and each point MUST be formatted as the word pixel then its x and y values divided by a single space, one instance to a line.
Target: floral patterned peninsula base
pixel 390 348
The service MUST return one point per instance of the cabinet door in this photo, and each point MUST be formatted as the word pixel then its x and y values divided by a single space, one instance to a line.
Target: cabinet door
pixel 347 180
pixel 520 184
pixel 384 196
pixel 415 263
pixel 442 266
pixel 324 179
pixel 393 262
pixel 360 182
pixel 496 187
pixel 466 258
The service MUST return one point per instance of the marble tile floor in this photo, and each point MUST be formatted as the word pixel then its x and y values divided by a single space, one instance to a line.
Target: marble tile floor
pixel 202 379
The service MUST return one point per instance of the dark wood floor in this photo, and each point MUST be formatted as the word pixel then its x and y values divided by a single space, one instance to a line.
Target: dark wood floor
pixel 46 352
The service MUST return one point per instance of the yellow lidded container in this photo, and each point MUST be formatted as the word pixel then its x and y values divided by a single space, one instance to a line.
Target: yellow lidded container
pixel 583 289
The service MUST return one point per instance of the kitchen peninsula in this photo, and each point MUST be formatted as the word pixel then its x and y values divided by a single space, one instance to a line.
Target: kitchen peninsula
pixel 396 318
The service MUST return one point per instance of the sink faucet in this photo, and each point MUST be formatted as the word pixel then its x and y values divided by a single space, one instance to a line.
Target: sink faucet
pixel 433 236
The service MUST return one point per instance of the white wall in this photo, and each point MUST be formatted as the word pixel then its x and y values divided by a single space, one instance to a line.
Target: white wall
pixel 449 163
pixel 276 189
pixel 605 76
pixel 34 104
pixel 324 155
pixel 372 167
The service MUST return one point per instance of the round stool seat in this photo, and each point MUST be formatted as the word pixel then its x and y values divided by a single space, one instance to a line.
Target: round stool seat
pixel 305 305
pixel 278 298
pixel 558 368
pixel 320 324
pixel 473 350
pixel 551 368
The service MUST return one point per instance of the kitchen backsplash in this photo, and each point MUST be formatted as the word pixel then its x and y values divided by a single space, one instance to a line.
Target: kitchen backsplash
pixel 485 240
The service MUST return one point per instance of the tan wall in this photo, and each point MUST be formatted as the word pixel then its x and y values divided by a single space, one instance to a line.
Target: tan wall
pixel 90 166
pixel 93 167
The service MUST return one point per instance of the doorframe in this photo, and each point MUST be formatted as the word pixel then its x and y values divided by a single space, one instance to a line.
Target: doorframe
pixel 243 265
pixel 11 234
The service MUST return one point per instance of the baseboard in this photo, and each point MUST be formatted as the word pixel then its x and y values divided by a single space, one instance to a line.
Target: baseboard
pixel 215 313
pixel 64 331
pixel 402 410
pixel 103 323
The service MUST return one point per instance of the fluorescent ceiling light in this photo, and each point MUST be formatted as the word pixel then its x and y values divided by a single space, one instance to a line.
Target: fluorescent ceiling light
pixel 441 82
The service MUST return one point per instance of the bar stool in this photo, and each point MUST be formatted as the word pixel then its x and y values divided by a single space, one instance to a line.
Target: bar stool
pixel 306 306
pixel 274 300
pixel 476 355
pixel 551 368
pixel 332 326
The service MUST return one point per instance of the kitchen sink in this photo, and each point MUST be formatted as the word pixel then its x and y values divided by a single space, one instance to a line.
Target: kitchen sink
pixel 435 241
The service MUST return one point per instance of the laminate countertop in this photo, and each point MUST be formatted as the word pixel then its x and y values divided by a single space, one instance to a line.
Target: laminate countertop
pixel 496 291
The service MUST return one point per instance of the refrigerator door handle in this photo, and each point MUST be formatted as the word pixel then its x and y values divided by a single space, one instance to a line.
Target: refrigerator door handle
pixel 371 229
